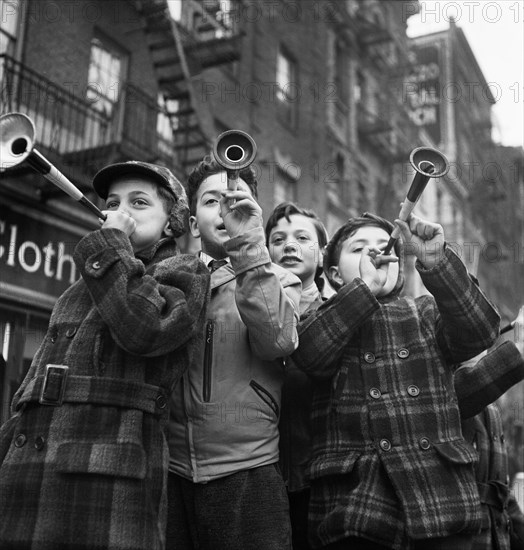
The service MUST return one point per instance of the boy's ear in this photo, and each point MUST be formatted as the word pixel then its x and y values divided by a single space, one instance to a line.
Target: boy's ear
pixel 321 252
pixel 168 231
pixel 193 227
pixel 335 275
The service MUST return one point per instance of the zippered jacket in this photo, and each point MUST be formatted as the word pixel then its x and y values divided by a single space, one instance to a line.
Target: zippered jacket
pixel 225 412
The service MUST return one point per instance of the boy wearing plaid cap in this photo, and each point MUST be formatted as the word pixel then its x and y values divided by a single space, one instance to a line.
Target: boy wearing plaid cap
pixel 84 458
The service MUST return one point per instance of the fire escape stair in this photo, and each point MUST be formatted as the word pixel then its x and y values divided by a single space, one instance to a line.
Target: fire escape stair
pixel 178 58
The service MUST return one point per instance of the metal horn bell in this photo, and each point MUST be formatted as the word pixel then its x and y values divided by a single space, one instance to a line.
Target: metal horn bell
pixel 18 137
pixel 429 162
pixel 234 150
pixel 17 144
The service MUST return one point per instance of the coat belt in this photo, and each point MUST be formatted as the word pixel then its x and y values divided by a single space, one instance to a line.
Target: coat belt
pixel 494 494
pixel 113 392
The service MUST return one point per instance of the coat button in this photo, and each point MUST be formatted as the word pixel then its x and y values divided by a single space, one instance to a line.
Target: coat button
pixel 71 332
pixel 375 393
pixel 161 402
pixel 385 445
pixel 424 443
pixel 403 353
pixel 369 357
pixel 413 390
pixel 39 443
pixel 95 265
pixel 20 440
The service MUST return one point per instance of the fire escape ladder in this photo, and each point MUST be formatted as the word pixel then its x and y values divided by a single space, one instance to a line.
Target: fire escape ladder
pixel 179 55
pixel 193 118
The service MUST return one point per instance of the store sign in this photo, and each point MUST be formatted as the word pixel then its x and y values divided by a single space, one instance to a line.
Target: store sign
pixel 35 255
pixel 422 91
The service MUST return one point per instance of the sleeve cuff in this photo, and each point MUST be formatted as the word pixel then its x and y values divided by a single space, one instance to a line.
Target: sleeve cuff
pixel 248 251
pixel 100 249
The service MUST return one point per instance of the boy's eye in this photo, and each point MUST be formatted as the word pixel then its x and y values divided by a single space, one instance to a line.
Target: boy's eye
pixel 140 202
pixel 358 249
pixel 277 240
pixel 111 205
pixel 210 201
pixel 303 238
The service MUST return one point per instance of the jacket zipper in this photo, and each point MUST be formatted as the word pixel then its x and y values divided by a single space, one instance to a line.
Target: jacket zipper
pixel 208 362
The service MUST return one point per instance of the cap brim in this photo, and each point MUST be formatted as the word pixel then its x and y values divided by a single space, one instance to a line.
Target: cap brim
pixel 108 174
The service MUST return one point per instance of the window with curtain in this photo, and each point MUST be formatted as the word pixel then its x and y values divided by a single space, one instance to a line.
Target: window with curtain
pixel 9 24
pixel 106 73
pixel 287 88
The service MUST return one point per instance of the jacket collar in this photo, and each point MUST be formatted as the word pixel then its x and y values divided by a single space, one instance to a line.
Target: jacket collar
pixel 222 275
pixel 161 250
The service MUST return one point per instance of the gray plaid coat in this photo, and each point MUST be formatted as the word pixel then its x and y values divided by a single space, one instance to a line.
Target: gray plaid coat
pixel 478 385
pixel 91 473
pixel 389 460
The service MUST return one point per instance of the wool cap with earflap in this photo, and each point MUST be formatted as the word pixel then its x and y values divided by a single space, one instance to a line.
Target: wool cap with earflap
pixel 179 215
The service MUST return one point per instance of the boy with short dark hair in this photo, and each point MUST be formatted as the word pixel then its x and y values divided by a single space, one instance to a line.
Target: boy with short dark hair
pixel 85 456
pixel 296 239
pixel 390 467
pixel 226 491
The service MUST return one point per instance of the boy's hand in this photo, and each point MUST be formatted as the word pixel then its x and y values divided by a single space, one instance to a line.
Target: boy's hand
pixel 374 268
pixel 240 212
pixel 423 238
pixel 117 219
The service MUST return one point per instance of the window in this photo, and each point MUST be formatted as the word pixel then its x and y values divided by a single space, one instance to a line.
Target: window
pixel 106 73
pixel 341 71
pixel 360 88
pixel 362 199
pixel 285 190
pixel 165 123
pixel 287 89
pixel 175 9
pixel 9 23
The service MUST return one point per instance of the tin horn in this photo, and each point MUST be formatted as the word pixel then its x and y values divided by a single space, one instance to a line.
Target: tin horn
pixel 17 144
pixel 428 163
pixel 234 150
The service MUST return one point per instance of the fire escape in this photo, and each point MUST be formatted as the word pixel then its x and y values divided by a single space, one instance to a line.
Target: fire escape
pixel 383 120
pixel 205 37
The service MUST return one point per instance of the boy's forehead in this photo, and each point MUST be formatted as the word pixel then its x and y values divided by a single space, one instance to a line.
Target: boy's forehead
pixel 298 222
pixel 368 233
pixel 218 182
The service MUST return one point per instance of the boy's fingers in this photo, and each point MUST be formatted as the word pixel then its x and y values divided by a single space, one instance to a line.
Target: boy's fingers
pixel 383 260
pixel 405 230
pixel 237 195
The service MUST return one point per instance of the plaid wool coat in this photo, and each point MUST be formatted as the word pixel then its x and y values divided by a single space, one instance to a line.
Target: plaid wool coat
pixel 389 460
pixel 502 518
pixel 478 385
pixel 91 473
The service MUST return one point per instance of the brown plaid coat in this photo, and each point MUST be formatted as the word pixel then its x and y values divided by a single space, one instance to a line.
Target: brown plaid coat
pixel 389 460
pixel 91 473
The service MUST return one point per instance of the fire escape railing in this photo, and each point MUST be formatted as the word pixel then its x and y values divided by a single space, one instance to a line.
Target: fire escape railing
pixel 68 124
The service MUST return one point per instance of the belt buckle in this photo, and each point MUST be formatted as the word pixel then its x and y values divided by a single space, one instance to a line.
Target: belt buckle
pixel 54 385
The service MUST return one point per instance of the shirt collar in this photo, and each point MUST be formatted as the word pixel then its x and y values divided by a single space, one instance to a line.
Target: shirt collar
pixel 206 258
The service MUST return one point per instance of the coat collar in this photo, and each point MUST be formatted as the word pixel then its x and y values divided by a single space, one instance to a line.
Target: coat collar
pixel 161 250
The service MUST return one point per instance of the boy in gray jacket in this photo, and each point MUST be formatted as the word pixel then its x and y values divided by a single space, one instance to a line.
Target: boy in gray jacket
pixel 225 489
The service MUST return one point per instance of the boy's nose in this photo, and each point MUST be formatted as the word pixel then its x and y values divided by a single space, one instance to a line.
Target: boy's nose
pixel 290 246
